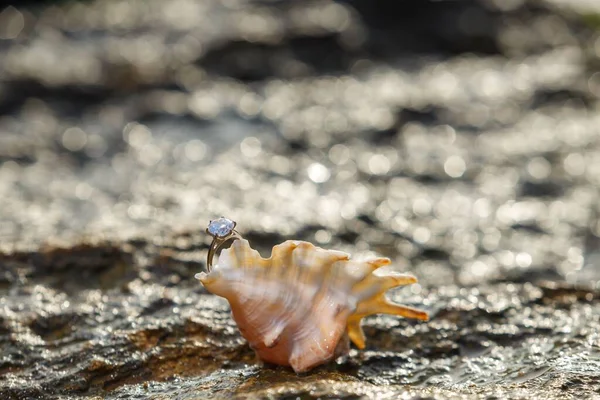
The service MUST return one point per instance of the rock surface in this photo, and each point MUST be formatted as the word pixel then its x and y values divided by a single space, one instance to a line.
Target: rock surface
pixel 461 139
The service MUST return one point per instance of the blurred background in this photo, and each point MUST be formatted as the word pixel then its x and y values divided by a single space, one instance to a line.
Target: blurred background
pixel 460 138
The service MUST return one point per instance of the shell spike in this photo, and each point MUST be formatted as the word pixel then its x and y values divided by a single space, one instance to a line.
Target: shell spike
pixel 379 262
pixel 392 281
pixel 383 306
pixel 356 333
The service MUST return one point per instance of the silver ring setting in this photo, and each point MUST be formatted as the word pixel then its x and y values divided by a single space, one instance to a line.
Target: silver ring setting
pixel 222 230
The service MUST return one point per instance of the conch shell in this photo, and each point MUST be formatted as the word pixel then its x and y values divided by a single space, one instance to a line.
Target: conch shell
pixel 299 307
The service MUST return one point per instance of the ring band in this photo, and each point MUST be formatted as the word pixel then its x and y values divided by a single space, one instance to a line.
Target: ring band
pixel 222 230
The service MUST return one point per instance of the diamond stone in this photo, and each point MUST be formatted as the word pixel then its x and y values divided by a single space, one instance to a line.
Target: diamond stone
pixel 221 227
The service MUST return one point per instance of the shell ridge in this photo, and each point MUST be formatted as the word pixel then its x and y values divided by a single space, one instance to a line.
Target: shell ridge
pixel 308 352
pixel 273 335
pixel 284 318
pixel 266 288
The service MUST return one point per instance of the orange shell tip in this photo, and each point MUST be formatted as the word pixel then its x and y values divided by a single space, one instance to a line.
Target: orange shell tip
pixel 356 333
pixel 379 262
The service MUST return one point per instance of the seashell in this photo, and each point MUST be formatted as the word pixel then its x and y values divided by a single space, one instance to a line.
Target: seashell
pixel 299 307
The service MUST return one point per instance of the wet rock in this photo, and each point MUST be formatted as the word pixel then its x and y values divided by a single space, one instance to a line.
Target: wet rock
pixel 461 140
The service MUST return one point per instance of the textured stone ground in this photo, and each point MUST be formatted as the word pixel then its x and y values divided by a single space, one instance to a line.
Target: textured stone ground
pixel 461 139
